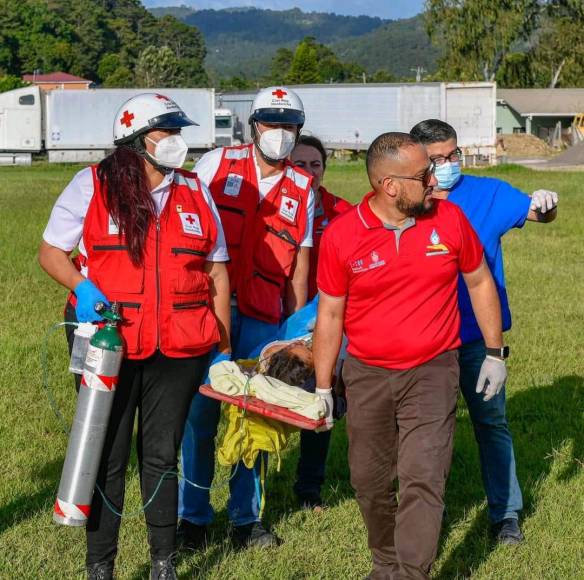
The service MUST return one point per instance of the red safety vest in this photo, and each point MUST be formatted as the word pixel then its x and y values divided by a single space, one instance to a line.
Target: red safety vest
pixel 328 209
pixel 264 238
pixel 166 302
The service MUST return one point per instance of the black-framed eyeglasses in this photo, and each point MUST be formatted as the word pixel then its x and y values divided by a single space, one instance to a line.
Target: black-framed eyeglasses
pixel 455 156
pixel 425 178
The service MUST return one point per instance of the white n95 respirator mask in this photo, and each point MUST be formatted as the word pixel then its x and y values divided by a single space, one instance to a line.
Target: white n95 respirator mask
pixel 277 144
pixel 170 151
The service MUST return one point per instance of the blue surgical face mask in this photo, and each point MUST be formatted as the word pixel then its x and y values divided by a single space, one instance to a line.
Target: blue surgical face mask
pixel 448 174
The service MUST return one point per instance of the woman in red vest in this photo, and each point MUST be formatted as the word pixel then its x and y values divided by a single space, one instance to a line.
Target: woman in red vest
pixel 310 155
pixel 150 238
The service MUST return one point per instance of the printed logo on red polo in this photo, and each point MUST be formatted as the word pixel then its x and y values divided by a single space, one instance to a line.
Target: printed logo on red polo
pixel 191 223
pixel 436 248
pixel 369 262
pixel 288 208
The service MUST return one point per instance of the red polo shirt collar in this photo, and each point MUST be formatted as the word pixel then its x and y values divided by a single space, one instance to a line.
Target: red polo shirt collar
pixel 368 218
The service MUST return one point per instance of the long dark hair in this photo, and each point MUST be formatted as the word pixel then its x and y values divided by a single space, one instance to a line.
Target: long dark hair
pixel 127 197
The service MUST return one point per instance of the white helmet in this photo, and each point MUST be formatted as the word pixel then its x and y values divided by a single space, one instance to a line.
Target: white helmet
pixel 145 112
pixel 276 105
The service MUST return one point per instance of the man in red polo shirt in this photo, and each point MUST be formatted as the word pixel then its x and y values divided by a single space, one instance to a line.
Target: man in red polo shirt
pixel 388 275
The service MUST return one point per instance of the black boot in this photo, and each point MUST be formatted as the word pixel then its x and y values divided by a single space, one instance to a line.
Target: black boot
pixel 191 536
pixel 100 571
pixel 163 569
pixel 254 535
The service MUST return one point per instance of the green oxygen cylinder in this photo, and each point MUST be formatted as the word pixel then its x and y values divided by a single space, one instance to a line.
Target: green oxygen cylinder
pixel 108 337
pixel 94 403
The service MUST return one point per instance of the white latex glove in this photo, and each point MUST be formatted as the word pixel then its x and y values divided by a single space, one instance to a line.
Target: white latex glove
pixel 327 396
pixel 492 377
pixel 543 200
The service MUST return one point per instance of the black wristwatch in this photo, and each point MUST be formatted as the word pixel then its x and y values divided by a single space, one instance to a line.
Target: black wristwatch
pixel 502 352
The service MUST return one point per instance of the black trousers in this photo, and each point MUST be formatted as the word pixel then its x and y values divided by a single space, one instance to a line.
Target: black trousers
pixel 160 389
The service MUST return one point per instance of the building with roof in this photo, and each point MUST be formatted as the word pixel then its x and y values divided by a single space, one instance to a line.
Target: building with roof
pixel 540 112
pixel 57 80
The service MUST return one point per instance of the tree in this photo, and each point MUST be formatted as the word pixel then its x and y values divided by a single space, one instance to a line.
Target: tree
pixel 558 52
pixel 304 66
pixel 157 67
pixel 101 40
pixel 560 47
pixel 280 66
pixel 382 76
pixel 516 72
pixel 477 35
pixel 11 82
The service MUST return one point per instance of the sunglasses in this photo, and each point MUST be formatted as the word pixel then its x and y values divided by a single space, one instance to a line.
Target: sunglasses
pixel 425 178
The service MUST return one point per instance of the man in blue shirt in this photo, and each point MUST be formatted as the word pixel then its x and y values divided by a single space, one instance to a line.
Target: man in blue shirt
pixel 493 207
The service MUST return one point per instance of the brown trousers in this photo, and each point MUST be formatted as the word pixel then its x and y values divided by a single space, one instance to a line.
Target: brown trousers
pixel 401 425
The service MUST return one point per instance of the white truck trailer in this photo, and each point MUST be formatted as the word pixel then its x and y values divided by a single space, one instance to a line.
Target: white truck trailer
pixel 77 125
pixel 350 116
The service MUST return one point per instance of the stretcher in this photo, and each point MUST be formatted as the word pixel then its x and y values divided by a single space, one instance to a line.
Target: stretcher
pixel 255 405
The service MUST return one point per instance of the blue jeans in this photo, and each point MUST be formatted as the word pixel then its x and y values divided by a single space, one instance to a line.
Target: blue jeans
pixel 198 446
pixel 311 464
pixel 493 437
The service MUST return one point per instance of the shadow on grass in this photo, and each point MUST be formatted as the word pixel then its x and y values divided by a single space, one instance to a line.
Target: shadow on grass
pixel 280 497
pixel 25 507
pixel 541 420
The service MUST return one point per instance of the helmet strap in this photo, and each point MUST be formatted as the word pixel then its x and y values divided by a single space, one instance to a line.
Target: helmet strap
pixel 139 146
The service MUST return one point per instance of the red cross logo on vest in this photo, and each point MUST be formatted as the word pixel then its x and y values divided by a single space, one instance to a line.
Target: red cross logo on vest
pixel 279 93
pixel 162 98
pixel 190 219
pixel 289 205
pixel 127 119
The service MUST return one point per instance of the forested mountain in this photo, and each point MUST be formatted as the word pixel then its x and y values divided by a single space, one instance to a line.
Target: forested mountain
pixel 242 41
pixel 397 46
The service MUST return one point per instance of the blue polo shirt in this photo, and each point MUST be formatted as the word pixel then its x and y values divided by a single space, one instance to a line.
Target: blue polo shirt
pixel 493 207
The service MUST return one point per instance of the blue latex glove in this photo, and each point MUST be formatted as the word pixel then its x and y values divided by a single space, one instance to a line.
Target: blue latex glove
pixel 88 295
pixel 215 358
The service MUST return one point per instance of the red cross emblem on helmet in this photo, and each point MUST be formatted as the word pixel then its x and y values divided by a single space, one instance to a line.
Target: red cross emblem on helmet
pixel 279 93
pixel 162 98
pixel 127 118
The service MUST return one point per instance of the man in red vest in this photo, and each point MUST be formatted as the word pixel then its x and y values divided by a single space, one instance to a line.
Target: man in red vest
pixel 266 206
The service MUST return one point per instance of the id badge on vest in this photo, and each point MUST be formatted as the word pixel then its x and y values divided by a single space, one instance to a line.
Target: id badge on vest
pixel 233 184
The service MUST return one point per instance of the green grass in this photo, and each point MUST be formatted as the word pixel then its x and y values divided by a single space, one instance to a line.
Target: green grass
pixel 545 270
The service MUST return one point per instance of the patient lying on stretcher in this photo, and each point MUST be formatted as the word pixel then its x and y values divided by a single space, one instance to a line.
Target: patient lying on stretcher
pixel 284 376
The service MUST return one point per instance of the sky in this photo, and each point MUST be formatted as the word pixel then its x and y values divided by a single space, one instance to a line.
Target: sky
pixel 381 8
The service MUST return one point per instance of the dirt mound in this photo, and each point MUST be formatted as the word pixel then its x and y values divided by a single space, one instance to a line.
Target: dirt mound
pixel 573 156
pixel 522 145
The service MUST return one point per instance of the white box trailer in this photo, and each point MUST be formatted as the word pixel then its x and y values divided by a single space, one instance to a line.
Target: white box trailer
pixel 79 123
pixel 76 125
pixel 350 116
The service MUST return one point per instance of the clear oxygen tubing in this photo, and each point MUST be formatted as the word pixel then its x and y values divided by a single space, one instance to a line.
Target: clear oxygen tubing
pixel 65 427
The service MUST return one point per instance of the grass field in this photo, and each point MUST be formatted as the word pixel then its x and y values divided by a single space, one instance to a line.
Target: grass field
pixel 545 268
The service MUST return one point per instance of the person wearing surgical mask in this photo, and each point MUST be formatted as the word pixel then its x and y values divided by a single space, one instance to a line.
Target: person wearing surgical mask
pixel 150 239
pixel 493 207
pixel 267 209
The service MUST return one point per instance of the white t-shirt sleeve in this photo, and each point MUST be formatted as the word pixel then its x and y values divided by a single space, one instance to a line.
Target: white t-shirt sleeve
pixel 219 252
pixel 207 166
pixel 65 226
pixel 307 241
